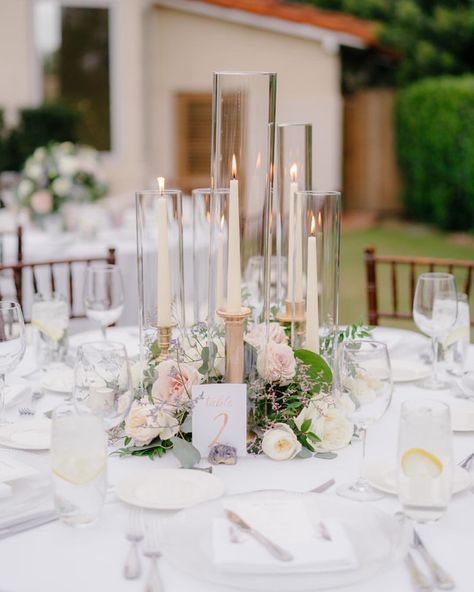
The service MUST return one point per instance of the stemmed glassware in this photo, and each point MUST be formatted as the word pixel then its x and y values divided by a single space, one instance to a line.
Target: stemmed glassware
pixel 365 375
pixel 12 345
pixel 102 381
pixel 103 294
pixel 434 312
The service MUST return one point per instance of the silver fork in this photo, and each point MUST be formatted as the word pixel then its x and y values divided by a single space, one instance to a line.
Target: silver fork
pixel 466 462
pixel 35 397
pixel 151 550
pixel 132 568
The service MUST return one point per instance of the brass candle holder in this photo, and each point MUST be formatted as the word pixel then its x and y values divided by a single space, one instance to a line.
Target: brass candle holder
pixel 294 313
pixel 164 339
pixel 234 343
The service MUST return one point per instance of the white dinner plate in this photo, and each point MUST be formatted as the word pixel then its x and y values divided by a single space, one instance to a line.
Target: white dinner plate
pixel 406 370
pixel 462 416
pixel 384 477
pixel 30 434
pixel 58 379
pixel 169 489
pixel 126 335
pixel 378 540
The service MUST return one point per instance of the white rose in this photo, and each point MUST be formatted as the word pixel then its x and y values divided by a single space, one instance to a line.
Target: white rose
pixel 258 336
pixel 67 165
pixel 136 374
pixel 145 422
pixel 280 443
pixel 34 171
pixel 345 404
pixel 40 154
pixel 25 188
pixel 360 388
pixel 312 412
pixel 174 383
pixel 61 186
pixel 276 363
pixel 334 430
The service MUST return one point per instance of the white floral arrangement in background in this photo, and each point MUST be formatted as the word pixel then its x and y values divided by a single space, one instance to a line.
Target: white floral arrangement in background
pixel 293 408
pixel 58 174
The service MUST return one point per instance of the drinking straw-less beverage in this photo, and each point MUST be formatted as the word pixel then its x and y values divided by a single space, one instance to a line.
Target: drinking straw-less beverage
pixel 455 343
pixel 425 460
pixel 50 317
pixel 78 463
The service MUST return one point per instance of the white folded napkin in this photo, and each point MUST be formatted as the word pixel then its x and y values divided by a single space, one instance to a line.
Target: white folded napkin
pixel 11 469
pixel 15 392
pixel 289 524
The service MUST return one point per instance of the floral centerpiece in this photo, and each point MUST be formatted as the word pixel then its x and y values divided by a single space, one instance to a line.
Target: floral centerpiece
pixel 293 409
pixel 57 174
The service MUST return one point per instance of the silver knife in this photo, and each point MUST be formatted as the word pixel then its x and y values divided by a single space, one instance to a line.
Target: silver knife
pixel 274 549
pixel 21 525
pixel 443 580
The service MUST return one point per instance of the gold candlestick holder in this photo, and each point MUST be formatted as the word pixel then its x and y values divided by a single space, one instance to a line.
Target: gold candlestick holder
pixel 294 313
pixel 234 343
pixel 164 339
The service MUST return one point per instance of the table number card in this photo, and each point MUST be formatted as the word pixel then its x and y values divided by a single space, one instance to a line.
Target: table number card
pixel 220 417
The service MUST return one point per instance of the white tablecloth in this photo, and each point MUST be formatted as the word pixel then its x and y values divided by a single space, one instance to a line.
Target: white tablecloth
pixel 56 558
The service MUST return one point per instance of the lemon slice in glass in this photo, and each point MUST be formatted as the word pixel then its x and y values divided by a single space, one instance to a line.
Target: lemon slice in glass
pixel 79 470
pixel 53 332
pixel 417 462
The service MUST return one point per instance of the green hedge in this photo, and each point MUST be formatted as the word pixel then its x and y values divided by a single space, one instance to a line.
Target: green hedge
pixel 435 145
pixel 37 127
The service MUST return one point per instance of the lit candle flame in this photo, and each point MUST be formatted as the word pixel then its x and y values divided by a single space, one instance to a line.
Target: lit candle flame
pixel 259 161
pixel 208 216
pixel 234 167
pixel 222 222
pixel 313 225
pixel 293 172
pixel 161 183
pixel 320 221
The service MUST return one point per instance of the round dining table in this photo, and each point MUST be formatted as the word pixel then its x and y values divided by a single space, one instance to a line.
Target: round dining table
pixel 57 558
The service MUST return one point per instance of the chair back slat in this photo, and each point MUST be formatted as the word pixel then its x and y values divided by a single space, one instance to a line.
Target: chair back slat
pixel 71 288
pixel 51 276
pixel 372 261
pixel 35 280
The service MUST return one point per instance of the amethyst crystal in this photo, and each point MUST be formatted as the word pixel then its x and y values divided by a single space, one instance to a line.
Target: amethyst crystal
pixel 222 454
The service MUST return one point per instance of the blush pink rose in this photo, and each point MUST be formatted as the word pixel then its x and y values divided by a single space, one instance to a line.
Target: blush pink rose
pixel 276 363
pixel 174 382
pixel 258 335
pixel 42 202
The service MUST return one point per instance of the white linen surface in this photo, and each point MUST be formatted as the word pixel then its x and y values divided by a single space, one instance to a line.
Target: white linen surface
pixel 56 558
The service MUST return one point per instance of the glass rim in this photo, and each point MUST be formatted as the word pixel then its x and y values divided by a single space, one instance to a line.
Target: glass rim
pixel 319 193
pixel 420 403
pixel 157 192
pixel 96 265
pixel 373 342
pixel 110 345
pixel 248 73
pixel 283 125
pixel 436 275
pixel 218 190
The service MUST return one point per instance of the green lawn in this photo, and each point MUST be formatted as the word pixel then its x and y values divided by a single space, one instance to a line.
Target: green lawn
pixel 390 239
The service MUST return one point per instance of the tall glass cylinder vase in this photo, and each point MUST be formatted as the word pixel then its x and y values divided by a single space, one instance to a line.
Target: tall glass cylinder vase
pixel 293 173
pixel 242 160
pixel 160 270
pixel 198 290
pixel 316 269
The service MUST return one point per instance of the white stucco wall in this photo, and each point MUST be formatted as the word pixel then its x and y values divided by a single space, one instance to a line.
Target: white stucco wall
pixel 184 51
pixel 16 56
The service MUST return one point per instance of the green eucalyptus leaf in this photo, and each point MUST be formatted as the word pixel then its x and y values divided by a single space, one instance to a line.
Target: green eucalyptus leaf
pixel 185 452
pixel 187 425
pixel 304 453
pixel 326 455
pixel 306 425
pixel 318 367
pixel 155 350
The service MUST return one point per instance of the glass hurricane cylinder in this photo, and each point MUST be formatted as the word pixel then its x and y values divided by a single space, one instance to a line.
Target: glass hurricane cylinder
pixel 160 269
pixel 313 313
pixel 293 173
pixel 199 297
pixel 242 160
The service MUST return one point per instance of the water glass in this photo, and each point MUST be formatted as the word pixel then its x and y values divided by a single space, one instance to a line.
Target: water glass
pixel 435 312
pixel 102 381
pixel 103 294
pixel 78 464
pixel 365 375
pixel 425 459
pixel 12 344
pixel 50 318
pixel 455 343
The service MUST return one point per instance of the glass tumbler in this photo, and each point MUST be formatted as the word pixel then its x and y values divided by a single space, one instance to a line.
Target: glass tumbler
pixel 425 459
pixel 50 318
pixel 79 465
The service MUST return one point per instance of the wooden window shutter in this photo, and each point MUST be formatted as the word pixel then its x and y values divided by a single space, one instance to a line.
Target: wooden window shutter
pixel 194 115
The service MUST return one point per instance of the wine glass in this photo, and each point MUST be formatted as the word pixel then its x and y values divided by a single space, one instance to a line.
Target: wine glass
pixel 102 381
pixel 365 375
pixel 103 294
pixel 435 310
pixel 12 344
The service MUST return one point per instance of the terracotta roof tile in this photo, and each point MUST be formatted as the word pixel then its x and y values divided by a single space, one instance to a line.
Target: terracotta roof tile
pixel 305 14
